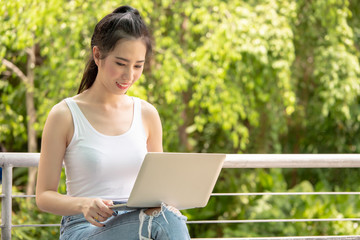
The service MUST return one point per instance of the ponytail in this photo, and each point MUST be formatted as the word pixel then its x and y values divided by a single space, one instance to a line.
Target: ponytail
pixel 89 75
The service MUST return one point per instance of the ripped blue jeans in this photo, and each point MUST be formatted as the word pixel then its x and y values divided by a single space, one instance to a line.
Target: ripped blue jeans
pixel 128 225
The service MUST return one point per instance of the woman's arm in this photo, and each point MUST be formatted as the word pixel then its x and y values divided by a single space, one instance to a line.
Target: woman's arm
pixel 153 128
pixel 57 133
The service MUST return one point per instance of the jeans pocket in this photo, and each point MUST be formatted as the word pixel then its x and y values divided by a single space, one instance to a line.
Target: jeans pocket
pixel 70 222
pixel 62 226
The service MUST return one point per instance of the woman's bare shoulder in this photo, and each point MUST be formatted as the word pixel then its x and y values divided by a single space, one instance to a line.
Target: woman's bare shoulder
pixel 148 109
pixel 153 128
pixel 58 127
pixel 60 115
pixel 61 111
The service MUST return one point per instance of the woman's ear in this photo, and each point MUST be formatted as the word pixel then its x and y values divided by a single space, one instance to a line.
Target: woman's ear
pixel 96 54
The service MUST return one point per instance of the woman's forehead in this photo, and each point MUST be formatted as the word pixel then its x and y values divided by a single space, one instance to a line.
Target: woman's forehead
pixel 130 49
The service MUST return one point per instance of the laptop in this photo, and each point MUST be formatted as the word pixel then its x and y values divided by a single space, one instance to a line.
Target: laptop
pixel 181 180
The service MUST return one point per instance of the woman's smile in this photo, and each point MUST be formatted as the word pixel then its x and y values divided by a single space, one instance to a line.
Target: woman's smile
pixel 122 86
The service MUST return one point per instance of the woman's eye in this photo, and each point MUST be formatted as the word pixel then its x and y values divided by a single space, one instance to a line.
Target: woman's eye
pixel 138 66
pixel 120 64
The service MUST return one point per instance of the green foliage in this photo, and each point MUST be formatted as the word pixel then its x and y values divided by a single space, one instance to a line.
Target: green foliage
pixel 236 76
pixel 26 212
pixel 228 69
pixel 276 207
pixel 327 72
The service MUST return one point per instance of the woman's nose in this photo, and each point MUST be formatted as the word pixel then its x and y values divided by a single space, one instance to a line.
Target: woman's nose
pixel 127 74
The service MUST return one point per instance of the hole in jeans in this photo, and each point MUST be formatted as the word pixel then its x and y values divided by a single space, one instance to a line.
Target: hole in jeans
pixel 154 213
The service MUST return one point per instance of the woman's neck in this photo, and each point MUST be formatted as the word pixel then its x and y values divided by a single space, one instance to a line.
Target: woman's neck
pixel 98 95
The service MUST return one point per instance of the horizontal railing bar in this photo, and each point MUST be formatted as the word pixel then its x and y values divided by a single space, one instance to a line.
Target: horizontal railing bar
pixel 20 159
pixel 345 237
pixel 292 161
pixel 19 196
pixel 275 220
pixel 37 225
pixel 234 160
pixel 283 193
pixel 23 196
pixel 242 194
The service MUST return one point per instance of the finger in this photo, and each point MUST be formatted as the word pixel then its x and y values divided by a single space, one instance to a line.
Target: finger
pixel 100 218
pixel 108 202
pixel 94 222
pixel 96 215
pixel 105 211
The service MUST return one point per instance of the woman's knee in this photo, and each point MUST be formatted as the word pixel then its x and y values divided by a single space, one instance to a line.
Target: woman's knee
pixel 155 212
pixel 165 223
pixel 173 214
pixel 152 211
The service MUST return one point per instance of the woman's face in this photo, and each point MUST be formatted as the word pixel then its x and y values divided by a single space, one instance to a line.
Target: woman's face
pixel 122 66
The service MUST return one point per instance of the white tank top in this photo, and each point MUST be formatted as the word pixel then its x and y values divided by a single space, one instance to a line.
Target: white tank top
pixel 98 165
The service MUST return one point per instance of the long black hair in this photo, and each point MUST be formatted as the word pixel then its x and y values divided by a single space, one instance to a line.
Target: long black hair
pixel 124 22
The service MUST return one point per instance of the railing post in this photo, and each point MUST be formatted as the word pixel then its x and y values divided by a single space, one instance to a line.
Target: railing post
pixel 6 201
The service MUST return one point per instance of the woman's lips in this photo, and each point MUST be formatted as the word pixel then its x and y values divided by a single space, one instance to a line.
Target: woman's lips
pixel 122 85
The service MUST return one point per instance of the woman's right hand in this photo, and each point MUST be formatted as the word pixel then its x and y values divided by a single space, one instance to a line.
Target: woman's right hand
pixel 97 210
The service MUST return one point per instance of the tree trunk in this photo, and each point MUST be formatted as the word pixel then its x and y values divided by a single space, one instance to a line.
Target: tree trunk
pixel 31 113
pixel 28 80
pixel 186 95
pixel 186 119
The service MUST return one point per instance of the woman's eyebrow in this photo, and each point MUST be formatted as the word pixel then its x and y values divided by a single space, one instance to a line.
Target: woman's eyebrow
pixel 127 60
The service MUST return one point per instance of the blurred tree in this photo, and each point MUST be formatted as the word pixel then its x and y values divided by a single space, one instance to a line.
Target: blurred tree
pixel 22 66
pixel 227 79
pixel 326 72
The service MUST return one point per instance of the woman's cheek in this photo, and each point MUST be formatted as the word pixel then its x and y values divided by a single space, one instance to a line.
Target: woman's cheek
pixel 137 76
pixel 114 72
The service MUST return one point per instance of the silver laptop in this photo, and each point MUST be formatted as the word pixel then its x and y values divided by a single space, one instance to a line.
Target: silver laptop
pixel 182 180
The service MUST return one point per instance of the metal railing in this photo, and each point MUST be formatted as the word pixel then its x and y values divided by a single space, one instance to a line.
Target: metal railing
pixel 10 160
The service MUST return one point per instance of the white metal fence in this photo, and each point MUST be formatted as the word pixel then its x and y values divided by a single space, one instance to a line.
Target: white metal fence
pixel 10 160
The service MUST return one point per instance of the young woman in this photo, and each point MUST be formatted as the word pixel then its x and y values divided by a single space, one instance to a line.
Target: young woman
pixel 102 136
